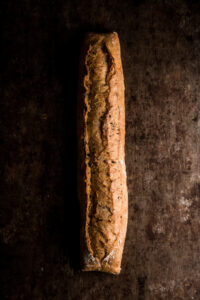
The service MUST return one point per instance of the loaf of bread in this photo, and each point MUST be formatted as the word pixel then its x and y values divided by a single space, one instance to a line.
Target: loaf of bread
pixel 102 187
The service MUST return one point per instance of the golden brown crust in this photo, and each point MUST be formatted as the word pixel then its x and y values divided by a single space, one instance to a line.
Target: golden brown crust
pixel 101 166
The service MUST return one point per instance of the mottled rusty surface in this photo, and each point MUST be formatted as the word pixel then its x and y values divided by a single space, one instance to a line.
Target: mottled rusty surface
pixel 39 211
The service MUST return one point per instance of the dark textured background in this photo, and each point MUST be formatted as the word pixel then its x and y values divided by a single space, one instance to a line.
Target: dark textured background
pixel 39 211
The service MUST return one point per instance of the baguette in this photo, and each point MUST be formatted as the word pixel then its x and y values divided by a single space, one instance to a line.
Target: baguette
pixel 102 187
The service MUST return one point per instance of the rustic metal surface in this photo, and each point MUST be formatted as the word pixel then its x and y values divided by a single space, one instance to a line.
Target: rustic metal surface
pixel 39 212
